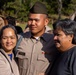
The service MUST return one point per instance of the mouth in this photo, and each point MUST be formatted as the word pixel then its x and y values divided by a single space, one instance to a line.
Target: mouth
pixel 56 42
pixel 32 28
pixel 9 44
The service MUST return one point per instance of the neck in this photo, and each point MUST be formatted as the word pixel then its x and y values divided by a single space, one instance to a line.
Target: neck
pixel 9 52
pixel 67 48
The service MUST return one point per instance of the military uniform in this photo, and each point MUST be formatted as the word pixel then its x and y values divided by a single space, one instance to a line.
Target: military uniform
pixel 35 55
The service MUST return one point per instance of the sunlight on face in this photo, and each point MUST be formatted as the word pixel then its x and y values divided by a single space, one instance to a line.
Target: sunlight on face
pixel 37 23
pixel 8 40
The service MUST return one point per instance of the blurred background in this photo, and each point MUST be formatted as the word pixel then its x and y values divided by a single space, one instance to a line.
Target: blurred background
pixel 57 9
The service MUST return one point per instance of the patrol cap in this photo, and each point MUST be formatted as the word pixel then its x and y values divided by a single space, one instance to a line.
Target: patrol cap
pixel 38 8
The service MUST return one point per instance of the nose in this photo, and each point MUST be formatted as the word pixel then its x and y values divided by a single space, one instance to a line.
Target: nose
pixel 33 22
pixel 8 40
pixel 55 37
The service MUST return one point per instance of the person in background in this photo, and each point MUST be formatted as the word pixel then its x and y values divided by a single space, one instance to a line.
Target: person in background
pixel 8 40
pixel 12 21
pixel 37 50
pixel 3 21
pixel 65 41
pixel 19 29
pixel 73 16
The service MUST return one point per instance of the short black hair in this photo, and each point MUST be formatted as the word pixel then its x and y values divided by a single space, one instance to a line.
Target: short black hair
pixel 67 26
pixel 11 20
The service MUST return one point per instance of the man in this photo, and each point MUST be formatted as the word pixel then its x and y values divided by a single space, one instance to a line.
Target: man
pixel 36 50
pixel 65 41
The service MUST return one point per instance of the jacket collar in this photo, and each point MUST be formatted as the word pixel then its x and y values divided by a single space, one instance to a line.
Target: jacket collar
pixel 8 59
pixel 46 36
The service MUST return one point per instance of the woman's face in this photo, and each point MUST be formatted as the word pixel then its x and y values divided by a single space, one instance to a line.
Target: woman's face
pixel 8 40
pixel 62 41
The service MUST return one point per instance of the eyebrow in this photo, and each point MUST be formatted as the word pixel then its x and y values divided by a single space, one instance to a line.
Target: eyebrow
pixel 8 36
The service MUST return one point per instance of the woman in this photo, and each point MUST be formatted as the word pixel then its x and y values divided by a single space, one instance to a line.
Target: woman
pixel 8 40
pixel 65 40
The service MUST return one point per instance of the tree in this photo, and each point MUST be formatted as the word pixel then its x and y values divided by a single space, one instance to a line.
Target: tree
pixel 72 6
pixel 59 8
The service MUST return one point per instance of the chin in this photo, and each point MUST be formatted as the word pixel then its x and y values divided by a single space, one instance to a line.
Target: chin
pixel 9 49
pixel 57 45
pixel 33 31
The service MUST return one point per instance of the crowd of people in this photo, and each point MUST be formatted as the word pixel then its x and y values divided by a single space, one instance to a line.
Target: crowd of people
pixel 38 50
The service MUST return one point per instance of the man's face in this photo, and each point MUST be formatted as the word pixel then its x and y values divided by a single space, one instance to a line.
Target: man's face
pixel 37 23
pixel 62 41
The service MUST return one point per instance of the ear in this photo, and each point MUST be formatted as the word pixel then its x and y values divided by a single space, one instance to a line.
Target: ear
pixel 70 37
pixel 46 21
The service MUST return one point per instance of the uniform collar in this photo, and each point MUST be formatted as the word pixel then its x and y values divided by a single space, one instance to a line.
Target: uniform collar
pixel 46 36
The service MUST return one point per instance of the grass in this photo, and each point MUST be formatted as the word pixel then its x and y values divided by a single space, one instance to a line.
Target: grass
pixel 22 25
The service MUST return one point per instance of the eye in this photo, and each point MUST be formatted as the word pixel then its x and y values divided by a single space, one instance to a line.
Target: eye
pixel 36 20
pixel 55 34
pixel 4 37
pixel 29 19
pixel 12 37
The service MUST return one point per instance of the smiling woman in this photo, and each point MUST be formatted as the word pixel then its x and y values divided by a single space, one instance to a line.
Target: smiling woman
pixel 8 42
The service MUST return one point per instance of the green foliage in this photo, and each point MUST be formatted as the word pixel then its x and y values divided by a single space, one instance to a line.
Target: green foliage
pixel 20 8
pixel 69 7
